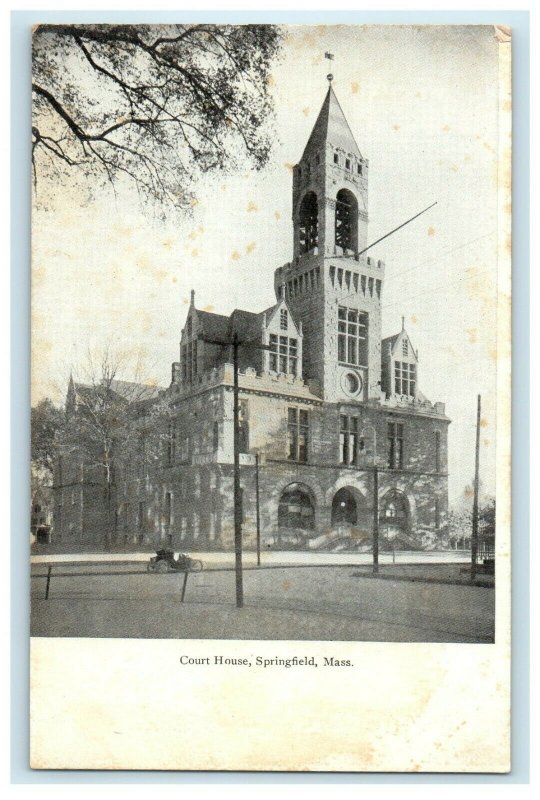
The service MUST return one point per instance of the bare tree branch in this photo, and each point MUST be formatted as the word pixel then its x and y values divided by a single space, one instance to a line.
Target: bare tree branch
pixel 157 104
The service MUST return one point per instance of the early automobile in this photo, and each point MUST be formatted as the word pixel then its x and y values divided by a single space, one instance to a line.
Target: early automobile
pixel 165 561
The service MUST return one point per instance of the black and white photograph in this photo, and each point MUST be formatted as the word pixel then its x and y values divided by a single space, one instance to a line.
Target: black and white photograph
pixel 270 345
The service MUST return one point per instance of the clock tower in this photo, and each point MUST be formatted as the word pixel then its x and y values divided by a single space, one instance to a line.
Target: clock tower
pixel 330 287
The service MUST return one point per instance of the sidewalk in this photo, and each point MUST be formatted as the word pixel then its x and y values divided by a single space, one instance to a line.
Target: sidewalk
pixel 272 558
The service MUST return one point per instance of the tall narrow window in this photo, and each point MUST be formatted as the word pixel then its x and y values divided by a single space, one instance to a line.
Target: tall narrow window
pixel 243 425
pixel 283 319
pixel 348 439
pixel 142 456
pixel 309 223
pixel 298 434
pixel 215 436
pixel 171 443
pixel 168 510
pixel 405 378
pixel 405 347
pixel 437 451
pixel 346 220
pixel 395 445
pixel 437 514
pixel 283 355
pixel 352 336
pixel 336 158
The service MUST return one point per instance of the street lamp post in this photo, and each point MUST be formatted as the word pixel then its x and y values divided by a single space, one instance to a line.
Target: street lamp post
pixel 375 499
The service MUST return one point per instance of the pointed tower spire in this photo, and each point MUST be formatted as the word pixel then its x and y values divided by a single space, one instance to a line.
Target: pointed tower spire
pixel 330 188
pixel 331 127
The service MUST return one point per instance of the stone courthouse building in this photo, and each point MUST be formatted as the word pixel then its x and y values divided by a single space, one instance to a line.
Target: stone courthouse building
pixel 323 404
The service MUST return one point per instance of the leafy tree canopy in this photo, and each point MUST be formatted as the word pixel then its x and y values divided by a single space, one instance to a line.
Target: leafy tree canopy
pixel 156 104
pixel 46 423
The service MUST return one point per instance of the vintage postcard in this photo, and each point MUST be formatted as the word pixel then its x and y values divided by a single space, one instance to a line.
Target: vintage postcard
pixel 270 522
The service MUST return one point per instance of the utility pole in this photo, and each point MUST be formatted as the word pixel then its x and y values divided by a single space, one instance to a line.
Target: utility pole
pixel 375 517
pixel 474 538
pixel 236 344
pixel 237 498
pixel 258 508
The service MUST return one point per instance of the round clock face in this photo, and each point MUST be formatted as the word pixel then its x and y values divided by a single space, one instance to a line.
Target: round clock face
pixel 351 383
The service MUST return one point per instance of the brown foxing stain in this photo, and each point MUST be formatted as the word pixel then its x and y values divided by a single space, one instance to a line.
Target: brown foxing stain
pixel 277 215
pixel 431 231
pixel 486 442
pixel 288 166
pixel 445 128
pixel 305 111
pixel 174 279
pixel 143 262
pixel 160 274
pixel 168 244
pixel 252 206
pixel 193 202
pixel 355 87
pixel 286 585
pixel 483 422
pixel 396 126
pixel 454 167
pixel 209 307
pixel 414 319
pixel 251 247
pixel 194 252
pixel 472 334
pixel 235 255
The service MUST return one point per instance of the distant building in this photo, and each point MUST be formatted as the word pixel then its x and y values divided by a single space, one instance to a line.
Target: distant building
pixel 321 406
pixel 41 515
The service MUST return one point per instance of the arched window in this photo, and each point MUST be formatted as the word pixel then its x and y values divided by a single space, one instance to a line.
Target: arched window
pixel 309 223
pixel 395 520
pixel 296 507
pixel 346 229
pixel 344 508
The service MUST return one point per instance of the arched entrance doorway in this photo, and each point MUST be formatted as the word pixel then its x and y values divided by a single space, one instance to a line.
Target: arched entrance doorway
pixel 344 509
pixel 296 512
pixel 394 520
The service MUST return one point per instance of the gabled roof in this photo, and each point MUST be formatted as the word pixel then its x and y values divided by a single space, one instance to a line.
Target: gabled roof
pixel 390 341
pixel 214 326
pixel 133 392
pixel 245 324
pixel 331 126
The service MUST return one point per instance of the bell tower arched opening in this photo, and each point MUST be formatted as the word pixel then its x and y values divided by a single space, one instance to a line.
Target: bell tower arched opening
pixel 308 227
pixel 346 221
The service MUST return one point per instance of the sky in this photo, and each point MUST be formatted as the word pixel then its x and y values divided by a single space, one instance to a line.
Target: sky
pixel 422 103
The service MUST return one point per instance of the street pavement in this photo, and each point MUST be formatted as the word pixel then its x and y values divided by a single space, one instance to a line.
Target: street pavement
pixel 304 603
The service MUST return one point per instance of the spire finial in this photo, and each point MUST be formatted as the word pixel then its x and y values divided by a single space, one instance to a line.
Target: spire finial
pixel 193 297
pixel 402 323
pixel 330 57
